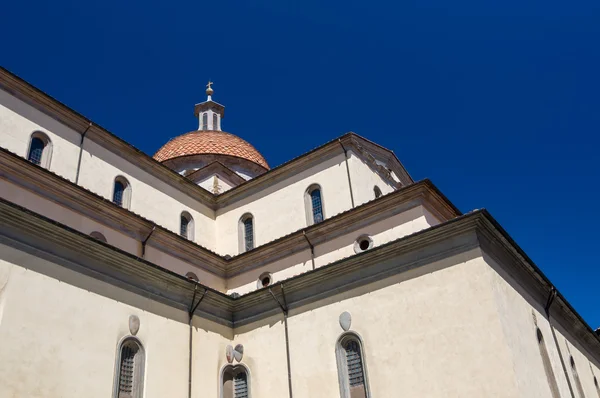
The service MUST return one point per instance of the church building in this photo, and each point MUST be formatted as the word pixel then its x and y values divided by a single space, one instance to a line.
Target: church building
pixel 202 272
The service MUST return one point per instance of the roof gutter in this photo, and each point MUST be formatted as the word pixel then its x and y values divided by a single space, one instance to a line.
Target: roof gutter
pixel 347 171
pixel 191 316
pixel 312 249
pixel 549 302
pixel 284 309
pixel 146 240
pixel 81 153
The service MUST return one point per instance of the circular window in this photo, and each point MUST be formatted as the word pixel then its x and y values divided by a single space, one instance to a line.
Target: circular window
pixel 191 276
pixel 264 280
pixel 363 243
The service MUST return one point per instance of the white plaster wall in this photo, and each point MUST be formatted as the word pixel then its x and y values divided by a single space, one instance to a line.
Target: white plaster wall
pixel 150 197
pixel 19 120
pixel 40 205
pixel 382 232
pixel 279 209
pixel 119 239
pixel 209 344
pixel 364 180
pixel 282 269
pixel 515 311
pixel 431 332
pixel 181 267
pixel 584 362
pixel 59 332
pixel 265 356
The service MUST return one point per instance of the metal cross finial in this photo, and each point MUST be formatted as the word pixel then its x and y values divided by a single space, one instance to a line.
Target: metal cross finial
pixel 209 90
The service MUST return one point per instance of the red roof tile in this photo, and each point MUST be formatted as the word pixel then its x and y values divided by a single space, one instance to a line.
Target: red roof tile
pixel 210 142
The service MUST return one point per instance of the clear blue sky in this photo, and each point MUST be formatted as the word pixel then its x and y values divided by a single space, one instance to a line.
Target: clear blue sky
pixel 498 102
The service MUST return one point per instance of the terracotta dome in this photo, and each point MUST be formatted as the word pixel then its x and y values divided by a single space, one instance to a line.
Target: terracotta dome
pixel 210 142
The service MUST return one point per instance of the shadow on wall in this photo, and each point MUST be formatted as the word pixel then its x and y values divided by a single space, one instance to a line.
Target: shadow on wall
pixel 335 160
pixel 297 263
pixel 65 271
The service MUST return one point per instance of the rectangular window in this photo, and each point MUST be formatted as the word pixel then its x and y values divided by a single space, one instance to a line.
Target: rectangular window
pixel 183 230
pixel 36 150
pixel 317 206
pixel 248 234
pixel 126 375
pixel 354 364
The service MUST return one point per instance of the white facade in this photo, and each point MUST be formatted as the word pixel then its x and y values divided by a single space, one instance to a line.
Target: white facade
pixel 441 304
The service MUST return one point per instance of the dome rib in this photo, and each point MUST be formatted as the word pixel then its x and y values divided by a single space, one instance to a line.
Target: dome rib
pixel 210 142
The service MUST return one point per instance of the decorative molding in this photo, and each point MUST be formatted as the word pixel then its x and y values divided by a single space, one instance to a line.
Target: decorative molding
pixel 64 192
pixel 28 231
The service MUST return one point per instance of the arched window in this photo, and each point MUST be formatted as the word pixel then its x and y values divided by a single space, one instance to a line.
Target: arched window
pixel 129 377
pixel 235 382
pixel 98 236
pixel 122 192
pixel 186 226
pixel 377 191
pixel 576 377
pixel 215 122
pixel 313 202
pixel 246 232
pixel 205 121
pixel 40 149
pixel 351 367
pixel 547 364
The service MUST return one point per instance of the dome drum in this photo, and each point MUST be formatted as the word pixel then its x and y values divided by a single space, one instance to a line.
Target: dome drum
pixel 188 164
pixel 197 149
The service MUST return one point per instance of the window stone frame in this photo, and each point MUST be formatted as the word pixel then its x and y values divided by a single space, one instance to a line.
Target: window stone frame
pixel 357 248
pixel 126 203
pixel 267 274
pixel 139 369
pixel 46 152
pixel 342 366
pixel 233 368
pixel 308 203
pixel 242 232
pixel 191 226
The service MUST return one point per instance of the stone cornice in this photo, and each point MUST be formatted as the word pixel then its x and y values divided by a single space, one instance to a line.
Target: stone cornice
pixel 74 120
pixel 31 232
pixel 421 193
pixel 64 192
pixel 366 148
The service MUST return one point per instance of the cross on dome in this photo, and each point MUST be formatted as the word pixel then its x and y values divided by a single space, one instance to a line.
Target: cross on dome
pixel 209 90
